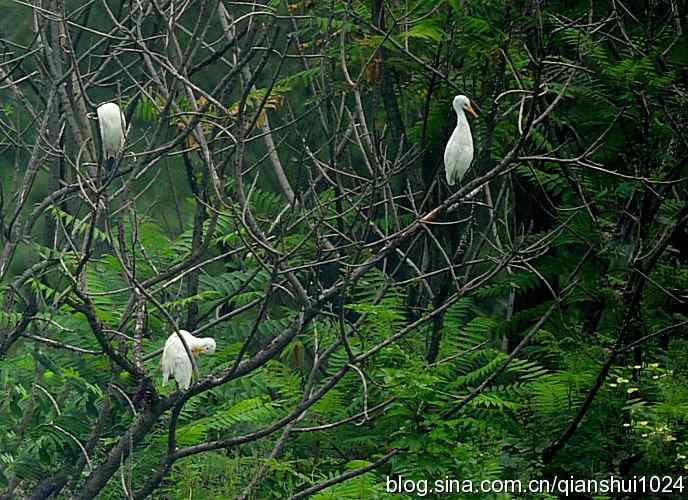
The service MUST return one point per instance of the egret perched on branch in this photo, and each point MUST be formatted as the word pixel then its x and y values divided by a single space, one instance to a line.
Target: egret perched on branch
pixel 176 362
pixel 458 154
pixel 113 128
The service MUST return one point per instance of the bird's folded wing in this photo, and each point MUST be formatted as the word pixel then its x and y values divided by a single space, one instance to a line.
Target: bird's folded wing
pixel 182 369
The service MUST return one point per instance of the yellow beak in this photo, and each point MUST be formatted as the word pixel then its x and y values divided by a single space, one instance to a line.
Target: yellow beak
pixel 472 111
pixel 196 350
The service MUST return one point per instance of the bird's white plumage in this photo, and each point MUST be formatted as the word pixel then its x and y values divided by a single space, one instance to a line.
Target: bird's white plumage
pixel 112 129
pixel 458 154
pixel 175 361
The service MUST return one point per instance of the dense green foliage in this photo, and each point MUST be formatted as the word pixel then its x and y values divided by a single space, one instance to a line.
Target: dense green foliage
pixel 535 325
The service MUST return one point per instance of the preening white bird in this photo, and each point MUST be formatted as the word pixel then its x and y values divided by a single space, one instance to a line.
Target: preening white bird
pixel 113 128
pixel 175 361
pixel 458 154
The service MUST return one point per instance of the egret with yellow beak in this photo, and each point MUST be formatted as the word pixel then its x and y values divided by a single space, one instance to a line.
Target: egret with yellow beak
pixel 458 154
pixel 175 361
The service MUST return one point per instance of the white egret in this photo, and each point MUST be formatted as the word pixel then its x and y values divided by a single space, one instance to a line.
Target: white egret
pixel 458 154
pixel 113 127
pixel 175 361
